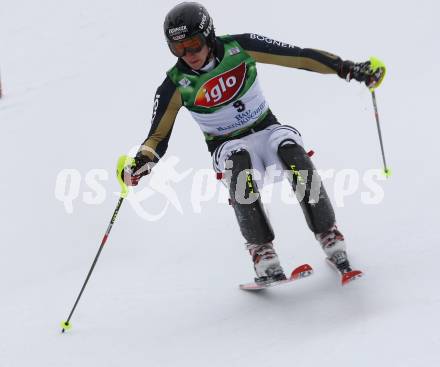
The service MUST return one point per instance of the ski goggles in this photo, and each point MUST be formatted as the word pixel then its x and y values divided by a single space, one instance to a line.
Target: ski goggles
pixel 192 45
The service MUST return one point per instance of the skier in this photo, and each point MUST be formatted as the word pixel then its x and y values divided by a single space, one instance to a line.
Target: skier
pixel 215 78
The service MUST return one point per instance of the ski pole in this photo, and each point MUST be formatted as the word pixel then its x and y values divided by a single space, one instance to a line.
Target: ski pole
pixel 377 64
pixel 386 170
pixel 122 162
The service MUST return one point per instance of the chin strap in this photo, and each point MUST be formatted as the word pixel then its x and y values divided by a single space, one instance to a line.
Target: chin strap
pixel 209 58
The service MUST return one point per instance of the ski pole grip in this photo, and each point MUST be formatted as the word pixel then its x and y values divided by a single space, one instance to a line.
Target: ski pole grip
pixel 375 64
pixel 123 162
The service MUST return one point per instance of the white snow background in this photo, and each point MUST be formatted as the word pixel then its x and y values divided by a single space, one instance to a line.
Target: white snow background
pixel 79 79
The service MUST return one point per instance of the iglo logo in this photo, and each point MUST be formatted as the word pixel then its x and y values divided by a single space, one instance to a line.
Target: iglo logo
pixel 222 88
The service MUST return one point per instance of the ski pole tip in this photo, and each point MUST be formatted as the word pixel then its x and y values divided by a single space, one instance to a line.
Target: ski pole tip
pixel 65 326
pixel 387 172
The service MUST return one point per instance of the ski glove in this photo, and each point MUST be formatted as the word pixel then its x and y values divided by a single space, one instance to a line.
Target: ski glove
pixel 369 72
pixel 132 174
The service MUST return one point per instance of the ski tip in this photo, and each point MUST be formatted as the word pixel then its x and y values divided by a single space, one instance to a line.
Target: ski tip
pixel 302 271
pixel 350 276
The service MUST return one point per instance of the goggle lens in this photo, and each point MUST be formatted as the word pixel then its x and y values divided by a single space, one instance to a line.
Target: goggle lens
pixel 191 45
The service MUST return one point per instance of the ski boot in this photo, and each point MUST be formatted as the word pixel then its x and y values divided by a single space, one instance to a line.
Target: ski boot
pixel 340 261
pixel 266 263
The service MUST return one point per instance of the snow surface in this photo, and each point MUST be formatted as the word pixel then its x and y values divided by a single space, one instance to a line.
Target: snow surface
pixel 79 79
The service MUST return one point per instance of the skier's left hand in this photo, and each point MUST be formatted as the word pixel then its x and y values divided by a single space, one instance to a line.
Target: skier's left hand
pixel 370 72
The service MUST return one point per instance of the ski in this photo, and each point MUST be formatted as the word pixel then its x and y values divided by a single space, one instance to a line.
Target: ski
pixel 348 276
pixel 300 272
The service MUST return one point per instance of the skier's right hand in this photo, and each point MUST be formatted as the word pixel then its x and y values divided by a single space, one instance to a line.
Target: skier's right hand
pixel 132 174
pixel 369 72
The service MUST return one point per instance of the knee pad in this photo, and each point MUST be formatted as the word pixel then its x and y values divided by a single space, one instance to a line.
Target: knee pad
pixel 282 135
pixel 223 153
pixel 308 187
pixel 245 199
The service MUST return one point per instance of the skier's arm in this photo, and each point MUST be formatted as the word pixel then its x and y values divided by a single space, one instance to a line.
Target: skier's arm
pixel 269 51
pixel 167 102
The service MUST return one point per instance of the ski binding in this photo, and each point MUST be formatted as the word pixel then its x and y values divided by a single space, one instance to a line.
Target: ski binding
pixel 300 272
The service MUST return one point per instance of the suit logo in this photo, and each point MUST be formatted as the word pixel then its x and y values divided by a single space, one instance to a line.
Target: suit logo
pixel 222 88
pixel 184 82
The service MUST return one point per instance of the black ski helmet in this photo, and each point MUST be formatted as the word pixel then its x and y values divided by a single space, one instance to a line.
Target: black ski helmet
pixel 186 20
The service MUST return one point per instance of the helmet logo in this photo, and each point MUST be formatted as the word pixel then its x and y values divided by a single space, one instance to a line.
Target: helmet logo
pixel 208 29
pixel 202 23
pixel 222 88
pixel 178 37
pixel 180 29
pixel 178 33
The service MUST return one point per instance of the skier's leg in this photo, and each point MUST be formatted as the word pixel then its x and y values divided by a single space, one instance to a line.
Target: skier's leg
pixel 234 159
pixel 311 193
pixel 314 200
pixel 245 198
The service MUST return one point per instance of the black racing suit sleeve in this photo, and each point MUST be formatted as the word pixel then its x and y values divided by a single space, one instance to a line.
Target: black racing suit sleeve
pixel 167 103
pixel 269 51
